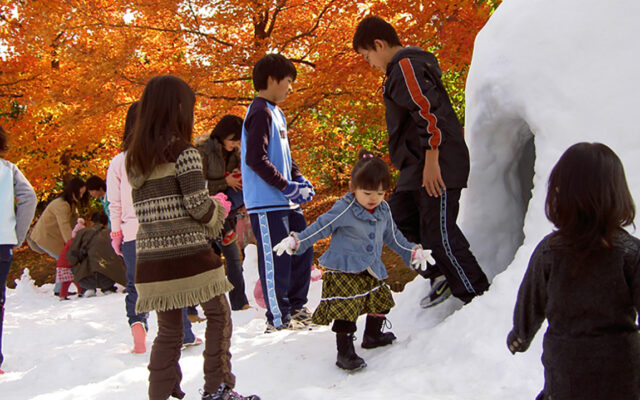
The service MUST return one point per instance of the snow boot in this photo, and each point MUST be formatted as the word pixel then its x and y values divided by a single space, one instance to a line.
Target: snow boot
pixel 347 357
pixel 139 338
pixel 225 393
pixel 373 335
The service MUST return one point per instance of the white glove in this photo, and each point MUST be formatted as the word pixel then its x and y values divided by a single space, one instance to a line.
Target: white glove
pixel 288 244
pixel 420 258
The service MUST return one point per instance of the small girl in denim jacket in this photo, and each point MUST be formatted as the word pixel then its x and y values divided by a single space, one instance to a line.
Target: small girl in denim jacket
pixel 360 223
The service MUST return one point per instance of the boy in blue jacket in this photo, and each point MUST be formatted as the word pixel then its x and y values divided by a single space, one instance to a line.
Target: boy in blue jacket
pixel 427 145
pixel 274 188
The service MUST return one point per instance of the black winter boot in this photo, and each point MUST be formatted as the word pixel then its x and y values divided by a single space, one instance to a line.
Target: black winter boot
pixel 373 335
pixel 347 357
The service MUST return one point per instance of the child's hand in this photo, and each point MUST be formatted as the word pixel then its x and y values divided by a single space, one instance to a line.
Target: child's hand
pixel 298 192
pixel 222 199
pixel 305 181
pixel 234 181
pixel 116 242
pixel 420 258
pixel 288 244
pixel 515 344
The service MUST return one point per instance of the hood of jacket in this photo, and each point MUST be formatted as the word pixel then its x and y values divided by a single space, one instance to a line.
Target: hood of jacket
pixel 416 53
pixel 136 179
pixel 211 145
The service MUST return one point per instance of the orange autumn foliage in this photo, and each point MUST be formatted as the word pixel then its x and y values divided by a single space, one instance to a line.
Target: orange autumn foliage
pixel 69 70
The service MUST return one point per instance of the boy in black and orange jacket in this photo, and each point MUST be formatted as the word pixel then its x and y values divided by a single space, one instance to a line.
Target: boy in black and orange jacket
pixel 427 145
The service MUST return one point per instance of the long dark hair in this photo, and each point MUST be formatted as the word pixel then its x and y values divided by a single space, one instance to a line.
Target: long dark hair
pixel 129 124
pixel 71 191
pixel 229 125
pixel 588 199
pixel 370 173
pixel 165 116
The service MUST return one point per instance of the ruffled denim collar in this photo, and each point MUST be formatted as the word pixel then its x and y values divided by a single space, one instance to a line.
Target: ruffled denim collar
pixel 361 212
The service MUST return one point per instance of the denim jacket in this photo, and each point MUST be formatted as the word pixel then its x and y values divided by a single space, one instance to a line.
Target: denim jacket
pixel 357 237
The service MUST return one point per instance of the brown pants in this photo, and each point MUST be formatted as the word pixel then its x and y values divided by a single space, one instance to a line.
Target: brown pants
pixel 164 369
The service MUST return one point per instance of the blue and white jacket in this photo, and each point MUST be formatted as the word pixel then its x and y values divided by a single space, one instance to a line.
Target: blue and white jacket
pixel 358 236
pixel 266 161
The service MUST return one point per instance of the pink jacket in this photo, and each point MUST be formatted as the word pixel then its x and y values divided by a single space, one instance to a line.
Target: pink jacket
pixel 122 215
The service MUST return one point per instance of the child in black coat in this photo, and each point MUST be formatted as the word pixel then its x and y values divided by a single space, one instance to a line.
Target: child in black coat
pixel 584 278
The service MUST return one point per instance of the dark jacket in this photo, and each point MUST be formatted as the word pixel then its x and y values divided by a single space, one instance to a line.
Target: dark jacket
pixel 91 252
pixel 420 116
pixel 591 309
pixel 215 166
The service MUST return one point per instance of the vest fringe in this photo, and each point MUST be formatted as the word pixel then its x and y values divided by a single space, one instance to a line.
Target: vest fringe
pixel 183 299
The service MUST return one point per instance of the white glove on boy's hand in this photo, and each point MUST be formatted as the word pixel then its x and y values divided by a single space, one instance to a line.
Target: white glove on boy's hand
pixel 288 244
pixel 420 258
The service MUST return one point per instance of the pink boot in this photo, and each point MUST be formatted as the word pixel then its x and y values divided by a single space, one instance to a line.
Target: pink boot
pixel 139 338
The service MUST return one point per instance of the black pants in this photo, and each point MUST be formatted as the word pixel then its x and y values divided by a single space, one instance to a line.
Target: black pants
pixel 96 281
pixel 431 221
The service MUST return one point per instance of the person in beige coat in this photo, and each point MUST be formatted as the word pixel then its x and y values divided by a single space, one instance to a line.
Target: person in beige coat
pixel 54 226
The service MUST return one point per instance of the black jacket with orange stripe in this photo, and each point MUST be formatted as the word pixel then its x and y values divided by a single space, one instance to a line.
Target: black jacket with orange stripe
pixel 419 117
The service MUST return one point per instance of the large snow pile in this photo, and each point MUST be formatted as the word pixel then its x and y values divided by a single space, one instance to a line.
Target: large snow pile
pixel 545 74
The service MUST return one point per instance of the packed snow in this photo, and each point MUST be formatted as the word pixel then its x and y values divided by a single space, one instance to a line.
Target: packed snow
pixel 544 75
pixel 80 349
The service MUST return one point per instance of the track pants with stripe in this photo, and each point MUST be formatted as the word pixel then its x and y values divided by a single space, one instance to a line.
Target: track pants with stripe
pixel 431 221
pixel 285 279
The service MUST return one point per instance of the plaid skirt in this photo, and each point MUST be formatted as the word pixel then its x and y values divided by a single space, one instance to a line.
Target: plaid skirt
pixel 64 274
pixel 347 296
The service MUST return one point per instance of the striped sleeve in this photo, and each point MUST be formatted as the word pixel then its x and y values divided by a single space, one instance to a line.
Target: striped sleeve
pixel 421 97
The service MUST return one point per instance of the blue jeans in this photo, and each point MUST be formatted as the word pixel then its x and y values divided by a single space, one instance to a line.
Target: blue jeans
pixel 233 261
pixel 189 336
pixel 129 256
pixel 6 256
pixel 235 197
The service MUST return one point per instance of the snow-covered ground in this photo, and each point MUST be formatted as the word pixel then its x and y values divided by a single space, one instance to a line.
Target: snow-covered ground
pixel 555 72
pixel 79 349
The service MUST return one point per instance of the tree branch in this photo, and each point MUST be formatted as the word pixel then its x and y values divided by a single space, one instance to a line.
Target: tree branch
pixel 279 8
pixel 230 98
pixel 246 78
pixel 302 110
pixel 20 80
pixel 299 61
pixel 195 16
pixel 310 31
pixel 153 28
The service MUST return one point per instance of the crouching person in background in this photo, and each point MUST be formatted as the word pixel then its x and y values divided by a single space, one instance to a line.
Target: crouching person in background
pixel 96 265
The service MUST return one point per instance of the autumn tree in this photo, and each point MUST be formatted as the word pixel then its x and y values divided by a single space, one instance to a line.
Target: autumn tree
pixel 70 69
